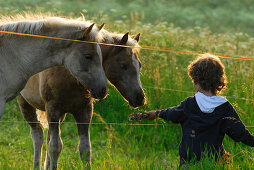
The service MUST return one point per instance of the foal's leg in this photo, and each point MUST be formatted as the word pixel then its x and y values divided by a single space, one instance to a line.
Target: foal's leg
pixel 47 160
pixel 84 116
pixel 54 141
pixel 2 106
pixel 30 116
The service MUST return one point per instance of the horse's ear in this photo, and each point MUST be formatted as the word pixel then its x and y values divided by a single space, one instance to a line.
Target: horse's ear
pixel 137 37
pixel 124 39
pixel 101 26
pixel 88 30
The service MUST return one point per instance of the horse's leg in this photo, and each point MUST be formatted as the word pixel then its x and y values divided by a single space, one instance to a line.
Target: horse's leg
pixel 47 160
pixel 55 143
pixel 84 116
pixel 29 114
pixel 2 106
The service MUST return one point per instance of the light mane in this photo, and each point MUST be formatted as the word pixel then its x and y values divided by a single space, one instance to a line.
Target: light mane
pixel 34 24
pixel 114 38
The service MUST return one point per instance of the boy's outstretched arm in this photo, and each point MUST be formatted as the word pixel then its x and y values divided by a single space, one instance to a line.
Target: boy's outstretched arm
pixel 174 114
pixel 234 128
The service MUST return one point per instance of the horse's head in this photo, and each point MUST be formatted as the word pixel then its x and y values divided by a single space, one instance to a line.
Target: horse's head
pixel 122 68
pixel 85 62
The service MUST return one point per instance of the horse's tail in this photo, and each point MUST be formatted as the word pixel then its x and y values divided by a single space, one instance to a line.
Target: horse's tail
pixel 42 117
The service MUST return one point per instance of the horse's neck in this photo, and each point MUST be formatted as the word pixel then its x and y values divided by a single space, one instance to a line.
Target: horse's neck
pixel 31 55
pixel 20 59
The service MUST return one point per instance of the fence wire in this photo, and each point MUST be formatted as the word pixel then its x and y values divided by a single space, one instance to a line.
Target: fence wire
pixel 142 47
pixel 153 48
pixel 111 123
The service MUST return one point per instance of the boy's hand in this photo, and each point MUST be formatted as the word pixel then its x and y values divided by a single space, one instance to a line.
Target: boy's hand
pixel 151 115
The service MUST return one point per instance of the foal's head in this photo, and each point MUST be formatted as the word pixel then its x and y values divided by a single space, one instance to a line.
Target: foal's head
pixel 85 63
pixel 122 68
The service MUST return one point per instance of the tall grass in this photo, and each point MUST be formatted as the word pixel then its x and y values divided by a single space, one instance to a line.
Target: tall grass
pixel 144 147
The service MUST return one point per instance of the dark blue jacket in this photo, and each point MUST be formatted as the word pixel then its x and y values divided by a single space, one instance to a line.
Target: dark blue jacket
pixel 206 131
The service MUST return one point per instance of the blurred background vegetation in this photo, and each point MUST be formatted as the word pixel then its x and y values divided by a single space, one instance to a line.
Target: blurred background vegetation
pixel 222 27
pixel 221 16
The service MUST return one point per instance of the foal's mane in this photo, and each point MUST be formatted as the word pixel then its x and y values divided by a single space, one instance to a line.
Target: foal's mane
pixel 35 24
pixel 115 38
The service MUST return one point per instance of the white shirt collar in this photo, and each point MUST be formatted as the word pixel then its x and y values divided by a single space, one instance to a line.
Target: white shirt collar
pixel 207 104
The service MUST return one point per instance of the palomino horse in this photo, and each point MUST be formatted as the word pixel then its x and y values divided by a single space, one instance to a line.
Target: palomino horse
pixel 64 94
pixel 22 56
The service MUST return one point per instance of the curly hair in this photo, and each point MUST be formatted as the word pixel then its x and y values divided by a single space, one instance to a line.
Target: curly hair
pixel 208 71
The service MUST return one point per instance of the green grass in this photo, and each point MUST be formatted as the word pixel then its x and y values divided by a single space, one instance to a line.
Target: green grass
pixel 148 147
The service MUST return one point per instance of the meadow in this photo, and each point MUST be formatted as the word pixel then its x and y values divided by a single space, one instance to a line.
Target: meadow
pixel 218 27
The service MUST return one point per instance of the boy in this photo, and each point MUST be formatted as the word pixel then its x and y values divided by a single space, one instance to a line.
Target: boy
pixel 206 117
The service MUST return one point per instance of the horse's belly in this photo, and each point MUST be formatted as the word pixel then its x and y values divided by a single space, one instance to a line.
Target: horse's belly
pixel 10 89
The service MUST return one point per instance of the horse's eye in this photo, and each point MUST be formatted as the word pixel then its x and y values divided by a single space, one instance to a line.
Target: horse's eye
pixel 88 56
pixel 123 66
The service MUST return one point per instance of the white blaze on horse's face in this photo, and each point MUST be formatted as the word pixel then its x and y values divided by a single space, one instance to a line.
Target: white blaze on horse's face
pixel 98 49
pixel 136 65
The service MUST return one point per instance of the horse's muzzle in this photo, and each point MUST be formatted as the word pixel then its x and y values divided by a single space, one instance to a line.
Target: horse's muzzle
pixel 99 94
pixel 139 100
